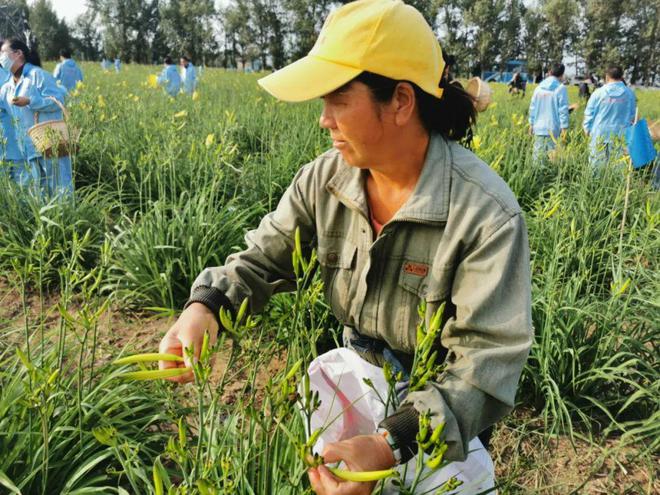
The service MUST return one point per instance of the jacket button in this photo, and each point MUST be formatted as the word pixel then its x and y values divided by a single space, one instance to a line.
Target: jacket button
pixel 332 257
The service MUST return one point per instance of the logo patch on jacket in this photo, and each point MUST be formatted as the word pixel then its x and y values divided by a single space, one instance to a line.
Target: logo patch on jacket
pixel 419 269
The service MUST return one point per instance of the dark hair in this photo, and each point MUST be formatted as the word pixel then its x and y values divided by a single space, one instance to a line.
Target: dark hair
pixel 184 57
pixel 30 56
pixel 450 60
pixel 168 60
pixel 65 53
pixel 557 70
pixel 452 115
pixel 614 72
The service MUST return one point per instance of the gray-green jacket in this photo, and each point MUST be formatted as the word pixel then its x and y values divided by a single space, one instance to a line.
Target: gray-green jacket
pixel 459 238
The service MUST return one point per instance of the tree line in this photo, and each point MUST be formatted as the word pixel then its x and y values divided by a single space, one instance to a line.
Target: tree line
pixel 482 34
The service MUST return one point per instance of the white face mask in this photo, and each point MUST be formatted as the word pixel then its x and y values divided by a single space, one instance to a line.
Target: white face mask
pixel 5 61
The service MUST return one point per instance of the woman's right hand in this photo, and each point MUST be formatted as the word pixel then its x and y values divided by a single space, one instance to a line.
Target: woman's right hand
pixel 20 101
pixel 188 333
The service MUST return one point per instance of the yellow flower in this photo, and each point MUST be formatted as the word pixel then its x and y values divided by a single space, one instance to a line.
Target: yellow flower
pixel 476 142
pixel 495 165
pixel 210 140
pixel 619 289
pixel 136 98
pixel 552 211
pixel 101 101
pixel 181 114
pixel 152 81
pixel 195 96
pixel 105 435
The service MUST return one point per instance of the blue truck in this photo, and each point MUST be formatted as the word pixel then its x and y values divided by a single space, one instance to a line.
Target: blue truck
pixel 504 76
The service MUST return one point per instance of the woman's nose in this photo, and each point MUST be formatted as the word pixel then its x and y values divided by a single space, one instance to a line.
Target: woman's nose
pixel 326 121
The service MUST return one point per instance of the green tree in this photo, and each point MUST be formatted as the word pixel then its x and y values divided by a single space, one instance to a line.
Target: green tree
pixel 454 33
pixel 511 46
pixel 86 39
pixel 239 34
pixel 50 32
pixel 641 40
pixel 486 20
pixel 129 27
pixel 268 31
pixel 187 26
pixel 560 28
pixel 603 33
pixel 14 16
pixel 536 51
pixel 305 19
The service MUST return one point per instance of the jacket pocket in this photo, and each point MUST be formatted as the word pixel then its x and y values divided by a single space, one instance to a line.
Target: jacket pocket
pixel 337 260
pixel 417 284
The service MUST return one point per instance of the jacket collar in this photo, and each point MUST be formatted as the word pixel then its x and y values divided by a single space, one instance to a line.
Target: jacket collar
pixel 27 69
pixel 24 72
pixel 429 202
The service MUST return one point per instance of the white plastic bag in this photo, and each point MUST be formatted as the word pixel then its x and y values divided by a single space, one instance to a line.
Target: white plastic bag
pixel 350 407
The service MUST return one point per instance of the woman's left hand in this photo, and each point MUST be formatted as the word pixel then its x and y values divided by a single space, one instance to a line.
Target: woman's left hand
pixel 20 101
pixel 360 453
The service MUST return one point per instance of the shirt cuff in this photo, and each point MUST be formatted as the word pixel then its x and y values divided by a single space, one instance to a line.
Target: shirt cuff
pixel 212 298
pixel 403 425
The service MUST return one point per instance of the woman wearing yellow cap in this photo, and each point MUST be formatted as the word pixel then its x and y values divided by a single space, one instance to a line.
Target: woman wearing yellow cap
pixel 399 214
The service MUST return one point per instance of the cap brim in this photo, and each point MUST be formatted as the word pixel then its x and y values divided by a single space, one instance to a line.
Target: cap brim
pixel 307 78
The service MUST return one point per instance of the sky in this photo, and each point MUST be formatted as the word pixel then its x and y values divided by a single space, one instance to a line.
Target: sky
pixel 69 9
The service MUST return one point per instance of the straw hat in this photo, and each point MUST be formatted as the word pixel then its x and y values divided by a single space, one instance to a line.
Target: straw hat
pixel 654 130
pixel 481 92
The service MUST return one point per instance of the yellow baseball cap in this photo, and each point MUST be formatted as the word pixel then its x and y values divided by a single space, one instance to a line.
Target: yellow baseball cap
pixel 386 37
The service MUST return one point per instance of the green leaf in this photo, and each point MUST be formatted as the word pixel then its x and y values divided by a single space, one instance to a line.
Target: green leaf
pixel 7 483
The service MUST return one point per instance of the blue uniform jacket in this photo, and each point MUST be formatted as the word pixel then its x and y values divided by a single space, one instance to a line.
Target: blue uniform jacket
pixel 68 74
pixel 170 79
pixel 609 111
pixel 189 77
pixel 8 145
pixel 548 110
pixel 36 84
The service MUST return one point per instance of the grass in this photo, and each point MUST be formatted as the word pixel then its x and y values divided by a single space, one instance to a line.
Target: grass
pixel 166 187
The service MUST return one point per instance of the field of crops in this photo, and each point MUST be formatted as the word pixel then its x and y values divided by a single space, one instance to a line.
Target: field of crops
pixel 166 187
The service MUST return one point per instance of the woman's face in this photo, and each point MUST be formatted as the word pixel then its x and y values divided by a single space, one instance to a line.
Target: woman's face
pixel 356 124
pixel 13 58
pixel 8 57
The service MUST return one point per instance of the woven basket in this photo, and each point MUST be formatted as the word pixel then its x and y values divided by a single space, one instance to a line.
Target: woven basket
pixel 481 93
pixel 654 130
pixel 55 138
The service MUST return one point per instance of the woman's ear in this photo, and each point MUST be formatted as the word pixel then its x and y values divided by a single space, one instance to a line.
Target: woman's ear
pixel 403 102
